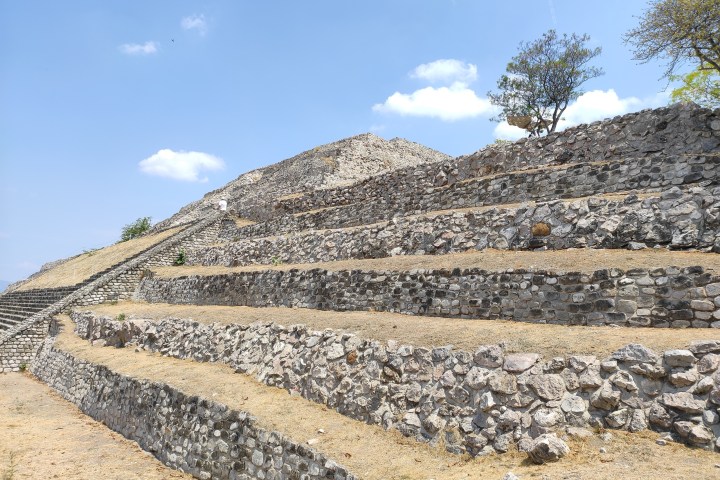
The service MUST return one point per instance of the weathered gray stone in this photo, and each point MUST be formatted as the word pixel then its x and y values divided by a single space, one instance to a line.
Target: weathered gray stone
pixel 548 386
pixel 683 401
pixel 635 352
pixel 679 358
pixel 519 362
pixel 547 448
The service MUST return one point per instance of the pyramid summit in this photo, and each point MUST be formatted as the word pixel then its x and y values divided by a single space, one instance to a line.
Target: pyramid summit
pixel 330 165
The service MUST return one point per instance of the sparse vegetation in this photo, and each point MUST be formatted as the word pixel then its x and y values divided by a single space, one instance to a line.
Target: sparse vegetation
pixel 135 229
pixel 541 229
pixel 9 473
pixel 276 261
pixel 120 317
pixel 180 259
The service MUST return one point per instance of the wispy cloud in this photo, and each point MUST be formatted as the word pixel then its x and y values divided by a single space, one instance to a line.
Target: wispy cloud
pixel 195 22
pixel 453 101
pixel 589 107
pixel 184 166
pixel 147 48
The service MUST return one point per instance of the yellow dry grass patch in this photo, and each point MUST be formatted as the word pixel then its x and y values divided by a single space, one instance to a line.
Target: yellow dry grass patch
pixel 375 454
pixel 87 264
pixel 42 436
pixel 243 222
pixel 570 260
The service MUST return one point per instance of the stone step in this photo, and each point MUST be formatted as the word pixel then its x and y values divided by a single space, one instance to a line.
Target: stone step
pixel 644 288
pixel 689 132
pixel 15 317
pixel 139 383
pixel 548 184
pixel 14 308
pixel 675 218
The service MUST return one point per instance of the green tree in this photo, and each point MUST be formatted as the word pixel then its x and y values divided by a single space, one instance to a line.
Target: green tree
pixel 679 31
pixel 699 86
pixel 542 79
pixel 135 229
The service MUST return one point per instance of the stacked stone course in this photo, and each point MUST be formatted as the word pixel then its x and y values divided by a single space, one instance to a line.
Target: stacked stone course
pixel 474 402
pixel 662 297
pixel 678 219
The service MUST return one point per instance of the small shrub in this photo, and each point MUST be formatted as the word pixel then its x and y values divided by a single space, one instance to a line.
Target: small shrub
pixel 23 367
pixel 181 258
pixel 541 229
pixel 135 229
pixel 276 261
pixel 120 317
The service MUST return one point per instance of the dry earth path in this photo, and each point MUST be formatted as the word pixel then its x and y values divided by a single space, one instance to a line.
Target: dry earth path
pixel 373 453
pixel 547 340
pixel 42 436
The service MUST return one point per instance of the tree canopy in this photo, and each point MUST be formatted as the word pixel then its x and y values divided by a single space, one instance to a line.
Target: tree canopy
pixel 679 31
pixel 542 79
pixel 135 229
pixel 699 86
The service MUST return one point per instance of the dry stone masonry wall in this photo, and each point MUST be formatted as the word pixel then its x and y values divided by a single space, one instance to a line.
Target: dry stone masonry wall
pixel 677 219
pixel 546 184
pixel 662 297
pixel 190 433
pixel 475 402
pixel 669 132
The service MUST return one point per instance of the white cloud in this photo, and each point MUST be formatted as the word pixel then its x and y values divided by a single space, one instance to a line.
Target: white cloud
pixel 446 71
pixel 147 48
pixel 185 166
pixel 446 103
pixel 455 101
pixel 195 22
pixel 590 107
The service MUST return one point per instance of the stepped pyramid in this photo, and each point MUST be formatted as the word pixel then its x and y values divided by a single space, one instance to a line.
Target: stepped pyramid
pixel 522 297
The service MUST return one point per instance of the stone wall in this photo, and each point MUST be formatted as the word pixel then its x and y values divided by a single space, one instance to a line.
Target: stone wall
pixel 474 402
pixel 662 297
pixel 18 351
pixel 676 219
pixel 190 433
pixel 546 184
pixel 666 132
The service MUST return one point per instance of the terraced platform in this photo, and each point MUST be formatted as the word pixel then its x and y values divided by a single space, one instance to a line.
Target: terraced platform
pixel 425 318
pixel 368 451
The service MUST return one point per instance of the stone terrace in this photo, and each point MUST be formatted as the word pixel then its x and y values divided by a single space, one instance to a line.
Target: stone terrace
pixel 464 240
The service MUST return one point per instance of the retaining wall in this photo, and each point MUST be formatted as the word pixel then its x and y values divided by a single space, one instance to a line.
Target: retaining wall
pixel 546 184
pixel 672 131
pixel 190 433
pixel 676 219
pixel 474 402
pixel 662 297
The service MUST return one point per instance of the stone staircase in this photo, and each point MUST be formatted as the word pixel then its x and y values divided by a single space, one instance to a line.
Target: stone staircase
pixel 612 227
pixel 19 305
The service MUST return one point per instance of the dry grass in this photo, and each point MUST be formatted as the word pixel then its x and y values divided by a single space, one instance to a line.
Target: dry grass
pixel 570 260
pixel 43 436
pixel 84 266
pixel 547 340
pixel 373 453
pixel 243 222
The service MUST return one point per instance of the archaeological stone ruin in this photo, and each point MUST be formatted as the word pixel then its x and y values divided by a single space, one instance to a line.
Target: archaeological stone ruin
pixel 608 227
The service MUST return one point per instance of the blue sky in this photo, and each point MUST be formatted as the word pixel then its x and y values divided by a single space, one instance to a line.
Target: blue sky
pixel 114 110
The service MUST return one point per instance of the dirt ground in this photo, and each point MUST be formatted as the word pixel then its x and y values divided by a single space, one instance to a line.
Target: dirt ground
pixel 42 436
pixel 547 340
pixel 84 266
pixel 373 453
pixel 570 260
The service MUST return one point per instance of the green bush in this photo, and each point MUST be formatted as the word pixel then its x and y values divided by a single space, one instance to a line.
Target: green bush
pixel 181 258
pixel 135 229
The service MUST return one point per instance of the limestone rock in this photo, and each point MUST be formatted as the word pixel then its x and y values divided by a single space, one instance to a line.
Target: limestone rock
pixel 547 448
